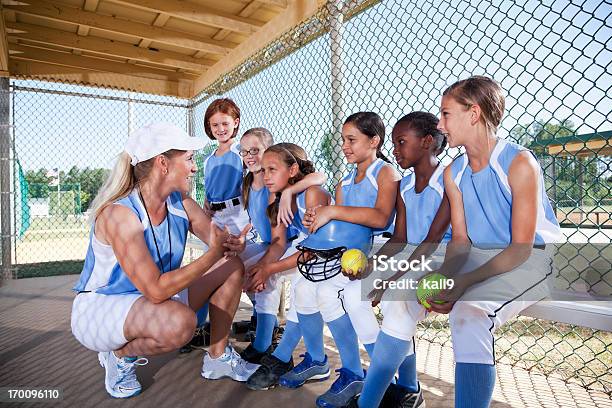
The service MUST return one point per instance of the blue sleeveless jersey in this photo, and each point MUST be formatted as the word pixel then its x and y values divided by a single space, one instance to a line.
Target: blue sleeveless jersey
pixel 298 217
pixel 421 208
pixel 258 203
pixel 365 193
pixel 103 274
pixel 487 200
pixel 223 175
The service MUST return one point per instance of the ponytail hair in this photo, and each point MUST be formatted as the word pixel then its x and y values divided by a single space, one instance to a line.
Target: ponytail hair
pixel 290 154
pixel 266 139
pixel 484 92
pixel 423 124
pixel 122 179
pixel 370 124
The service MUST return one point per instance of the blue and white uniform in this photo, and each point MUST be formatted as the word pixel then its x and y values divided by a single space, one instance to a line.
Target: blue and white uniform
pixel 362 194
pixel 106 293
pixel 313 297
pixel 421 209
pixel 268 300
pixel 223 182
pixel 487 204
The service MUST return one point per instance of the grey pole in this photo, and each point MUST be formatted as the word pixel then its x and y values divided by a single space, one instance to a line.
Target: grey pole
pixel 5 180
pixel 335 8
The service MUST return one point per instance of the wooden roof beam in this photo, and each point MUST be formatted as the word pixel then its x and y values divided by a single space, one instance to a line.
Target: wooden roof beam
pixel 90 5
pixel 44 35
pixel 31 53
pixel 58 73
pixel 196 13
pixel 73 15
pixel 298 11
pixel 4 50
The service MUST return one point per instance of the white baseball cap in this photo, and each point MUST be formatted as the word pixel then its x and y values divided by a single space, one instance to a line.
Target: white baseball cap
pixel 157 138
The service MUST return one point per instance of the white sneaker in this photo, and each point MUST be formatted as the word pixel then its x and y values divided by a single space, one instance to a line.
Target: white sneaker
pixel 120 379
pixel 229 364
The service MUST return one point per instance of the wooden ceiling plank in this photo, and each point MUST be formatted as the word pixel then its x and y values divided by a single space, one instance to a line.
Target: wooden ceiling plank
pixel 299 11
pixel 96 64
pixel 64 74
pixel 4 49
pixel 73 15
pixel 196 13
pixel 245 12
pixel 108 47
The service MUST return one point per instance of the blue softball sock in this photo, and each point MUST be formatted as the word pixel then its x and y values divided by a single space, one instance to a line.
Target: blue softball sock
pixel 312 330
pixel 407 374
pixel 370 349
pixel 474 384
pixel 388 356
pixel 289 341
pixel 263 332
pixel 348 346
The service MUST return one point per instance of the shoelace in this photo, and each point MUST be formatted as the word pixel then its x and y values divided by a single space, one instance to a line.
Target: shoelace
pixel 236 360
pixel 127 370
pixel 344 378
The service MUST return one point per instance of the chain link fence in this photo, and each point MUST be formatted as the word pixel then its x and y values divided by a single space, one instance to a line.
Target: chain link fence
pixel 396 56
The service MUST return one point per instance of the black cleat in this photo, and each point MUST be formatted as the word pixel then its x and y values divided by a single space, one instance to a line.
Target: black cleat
pixel 251 354
pixel 268 374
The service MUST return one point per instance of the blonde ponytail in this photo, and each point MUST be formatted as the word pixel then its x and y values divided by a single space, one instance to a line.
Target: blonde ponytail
pixel 119 183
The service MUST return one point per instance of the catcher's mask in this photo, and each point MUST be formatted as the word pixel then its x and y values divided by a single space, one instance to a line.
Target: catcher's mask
pixel 320 253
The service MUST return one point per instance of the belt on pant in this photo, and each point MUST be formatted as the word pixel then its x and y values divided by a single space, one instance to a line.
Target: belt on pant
pixel 225 204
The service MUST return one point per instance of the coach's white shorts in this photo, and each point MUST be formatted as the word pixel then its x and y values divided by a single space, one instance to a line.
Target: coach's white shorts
pixel 482 309
pixel 235 218
pixel 97 320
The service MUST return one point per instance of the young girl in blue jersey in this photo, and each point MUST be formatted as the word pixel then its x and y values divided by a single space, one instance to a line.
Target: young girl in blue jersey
pixel 133 296
pixel 275 242
pixel 223 169
pixel 366 196
pixel 284 165
pixel 501 222
pixel 422 215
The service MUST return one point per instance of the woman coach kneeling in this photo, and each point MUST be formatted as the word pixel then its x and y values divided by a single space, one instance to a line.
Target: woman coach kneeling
pixel 133 297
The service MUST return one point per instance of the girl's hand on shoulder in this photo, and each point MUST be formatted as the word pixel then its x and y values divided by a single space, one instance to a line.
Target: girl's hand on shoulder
pixel 322 215
pixel 285 215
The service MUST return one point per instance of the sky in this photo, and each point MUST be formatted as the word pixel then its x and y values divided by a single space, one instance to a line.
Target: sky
pixel 552 58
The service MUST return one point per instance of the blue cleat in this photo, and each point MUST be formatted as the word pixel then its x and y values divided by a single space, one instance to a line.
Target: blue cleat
pixel 343 390
pixel 308 370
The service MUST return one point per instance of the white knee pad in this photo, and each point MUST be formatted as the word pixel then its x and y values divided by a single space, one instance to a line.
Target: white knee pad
pixel 361 313
pixel 400 318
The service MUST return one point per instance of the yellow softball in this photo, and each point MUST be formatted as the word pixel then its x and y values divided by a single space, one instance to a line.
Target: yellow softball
pixel 354 261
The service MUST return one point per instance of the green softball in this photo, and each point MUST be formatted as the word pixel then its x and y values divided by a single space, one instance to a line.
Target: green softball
pixel 429 286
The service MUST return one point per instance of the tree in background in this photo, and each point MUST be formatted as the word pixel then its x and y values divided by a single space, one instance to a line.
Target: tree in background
pixel 574 181
pixel 87 180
